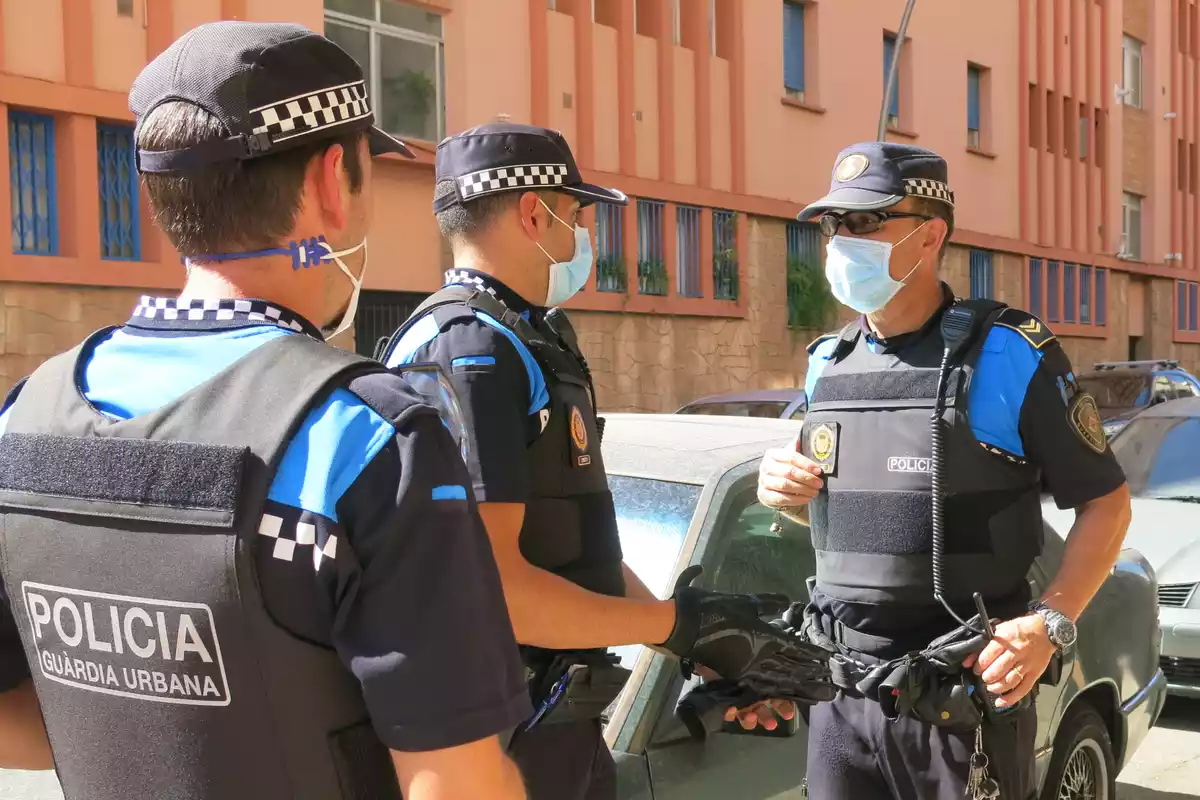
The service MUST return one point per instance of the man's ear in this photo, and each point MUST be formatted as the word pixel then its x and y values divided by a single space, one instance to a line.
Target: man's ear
pixel 327 174
pixel 937 231
pixel 533 216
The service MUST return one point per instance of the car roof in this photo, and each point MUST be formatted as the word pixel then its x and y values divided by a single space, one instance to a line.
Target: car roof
pixel 688 449
pixel 1179 407
pixel 752 396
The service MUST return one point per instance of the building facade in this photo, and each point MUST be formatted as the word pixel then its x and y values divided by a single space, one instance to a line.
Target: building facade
pixel 1070 126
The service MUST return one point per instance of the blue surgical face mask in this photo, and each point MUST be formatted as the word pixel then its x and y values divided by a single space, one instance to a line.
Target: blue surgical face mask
pixel 568 277
pixel 857 270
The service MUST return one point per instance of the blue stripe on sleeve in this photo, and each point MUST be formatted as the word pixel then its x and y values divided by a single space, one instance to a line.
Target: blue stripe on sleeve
pixel 423 331
pixel 539 397
pixel 1006 365
pixel 472 361
pixel 816 365
pixel 449 493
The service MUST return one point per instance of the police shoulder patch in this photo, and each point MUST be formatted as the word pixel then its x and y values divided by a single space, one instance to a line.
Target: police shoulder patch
pixel 815 343
pixel 1030 328
pixel 1084 417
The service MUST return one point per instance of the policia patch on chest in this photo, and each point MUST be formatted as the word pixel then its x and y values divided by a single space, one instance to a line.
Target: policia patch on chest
pixel 823 446
pixel 1085 421
pixel 579 439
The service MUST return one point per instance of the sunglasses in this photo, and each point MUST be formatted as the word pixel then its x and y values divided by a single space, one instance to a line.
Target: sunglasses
pixel 860 223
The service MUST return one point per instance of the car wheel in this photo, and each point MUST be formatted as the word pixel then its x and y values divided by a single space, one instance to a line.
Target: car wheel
pixel 1082 765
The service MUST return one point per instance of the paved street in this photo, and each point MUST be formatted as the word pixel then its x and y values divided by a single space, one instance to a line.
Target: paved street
pixel 1167 765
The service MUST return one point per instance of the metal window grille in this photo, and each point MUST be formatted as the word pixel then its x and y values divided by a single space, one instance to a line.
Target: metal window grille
pixel 793 49
pixel 806 283
pixel 1101 296
pixel 1053 290
pixel 1085 295
pixel 725 258
pixel 1181 305
pixel 379 315
pixel 982 275
pixel 1035 286
pixel 1193 303
pixel 120 236
pixel 973 126
pixel 652 266
pixel 687 248
pixel 31 182
pixel 610 240
pixel 1069 296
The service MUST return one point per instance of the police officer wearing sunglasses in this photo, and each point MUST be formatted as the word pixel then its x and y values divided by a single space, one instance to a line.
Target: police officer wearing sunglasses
pixel 1009 416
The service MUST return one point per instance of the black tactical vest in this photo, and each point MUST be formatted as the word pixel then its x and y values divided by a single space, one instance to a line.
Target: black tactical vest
pixel 570 524
pixel 128 553
pixel 868 425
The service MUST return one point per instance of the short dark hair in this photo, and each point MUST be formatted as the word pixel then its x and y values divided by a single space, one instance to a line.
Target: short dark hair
pixel 461 220
pixel 238 205
pixel 938 210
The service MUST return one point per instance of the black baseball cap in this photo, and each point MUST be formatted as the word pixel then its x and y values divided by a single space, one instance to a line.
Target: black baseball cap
pixel 273 85
pixel 511 157
pixel 870 176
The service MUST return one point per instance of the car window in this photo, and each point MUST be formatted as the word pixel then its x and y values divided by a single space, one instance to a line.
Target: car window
pixel 799 412
pixel 1163 387
pixel 1114 390
pixel 1158 456
pixel 768 409
pixel 746 556
pixel 652 521
pixel 1184 386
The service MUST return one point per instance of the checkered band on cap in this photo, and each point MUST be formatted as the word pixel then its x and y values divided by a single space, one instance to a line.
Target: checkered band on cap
pixel 308 113
pixel 934 190
pixel 205 309
pixel 503 179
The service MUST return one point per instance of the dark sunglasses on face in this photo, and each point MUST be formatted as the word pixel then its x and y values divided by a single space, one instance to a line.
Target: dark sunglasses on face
pixel 860 223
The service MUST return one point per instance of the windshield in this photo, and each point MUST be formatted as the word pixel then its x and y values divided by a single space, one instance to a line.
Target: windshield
pixel 766 408
pixel 1158 455
pixel 1117 391
pixel 652 520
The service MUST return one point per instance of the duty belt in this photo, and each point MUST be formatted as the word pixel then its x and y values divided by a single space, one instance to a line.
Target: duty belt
pixel 571 685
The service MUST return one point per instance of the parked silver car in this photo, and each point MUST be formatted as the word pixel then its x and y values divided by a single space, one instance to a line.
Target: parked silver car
pixel 685 494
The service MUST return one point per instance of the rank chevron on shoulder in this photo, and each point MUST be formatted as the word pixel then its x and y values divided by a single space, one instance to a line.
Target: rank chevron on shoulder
pixel 1031 329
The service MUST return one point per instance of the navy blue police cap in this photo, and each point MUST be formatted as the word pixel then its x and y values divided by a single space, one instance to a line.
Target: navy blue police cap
pixel 273 86
pixel 511 157
pixel 875 175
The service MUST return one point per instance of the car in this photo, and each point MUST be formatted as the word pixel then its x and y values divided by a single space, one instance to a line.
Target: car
pixel 1124 388
pixel 770 403
pixel 1158 451
pixel 684 489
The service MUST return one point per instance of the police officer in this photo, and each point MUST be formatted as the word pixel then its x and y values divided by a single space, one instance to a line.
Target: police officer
pixel 865 465
pixel 508 198
pixel 243 563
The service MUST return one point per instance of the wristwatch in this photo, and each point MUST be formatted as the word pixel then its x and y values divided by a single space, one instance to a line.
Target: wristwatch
pixel 1059 626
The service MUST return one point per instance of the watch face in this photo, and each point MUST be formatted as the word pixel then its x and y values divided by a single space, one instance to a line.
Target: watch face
pixel 1064 632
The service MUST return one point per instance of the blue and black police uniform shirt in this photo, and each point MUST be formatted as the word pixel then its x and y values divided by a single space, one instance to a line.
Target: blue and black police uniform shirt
pixel 1017 403
pixel 500 387
pixel 372 544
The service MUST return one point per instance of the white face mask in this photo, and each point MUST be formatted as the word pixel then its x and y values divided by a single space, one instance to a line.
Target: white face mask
pixel 568 277
pixel 352 308
pixel 858 271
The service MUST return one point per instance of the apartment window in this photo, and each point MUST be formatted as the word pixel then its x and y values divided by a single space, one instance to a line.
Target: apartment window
pixel 1181 165
pixel 1085 295
pixel 379 315
pixel 1187 316
pixel 1132 85
pixel 1053 291
pixel 124 8
pixel 1193 168
pixel 793 50
pixel 1131 226
pixel 687 250
pixel 401 51
pixel 119 225
pixel 1069 296
pixel 974 79
pixel 1035 287
pixel 1101 296
pixel 652 267
pixel 982 278
pixel 889 52
pixel 31 181
pixel 1035 131
pixel 806 283
pixel 1084 127
pixel 610 248
pixel 725 257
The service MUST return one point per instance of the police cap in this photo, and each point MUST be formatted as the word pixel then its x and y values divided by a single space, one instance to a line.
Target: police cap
pixel 510 157
pixel 272 85
pixel 874 175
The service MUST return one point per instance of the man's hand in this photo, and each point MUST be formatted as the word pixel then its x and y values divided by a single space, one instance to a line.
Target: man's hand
pixel 787 479
pixel 1015 659
pixel 766 713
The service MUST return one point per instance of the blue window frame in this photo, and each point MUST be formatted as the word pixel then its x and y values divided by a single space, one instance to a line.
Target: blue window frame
pixel 725 255
pixel 610 246
pixel 1193 306
pixel 1181 305
pixel 982 276
pixel 889 49
pixel 793 47
pixel 1053 290
pixel 652 267
pixel 1035 287
pixel 1101 296
pixel 1085 295
pixel 687 250
pixel 1069 296
pixel 32 183
pixel 973 78
pixel 120 231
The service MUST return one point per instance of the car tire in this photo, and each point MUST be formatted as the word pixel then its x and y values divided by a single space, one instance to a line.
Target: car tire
pixel 1082 764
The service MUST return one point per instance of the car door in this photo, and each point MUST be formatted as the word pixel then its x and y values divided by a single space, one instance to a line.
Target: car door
pixel 741 554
